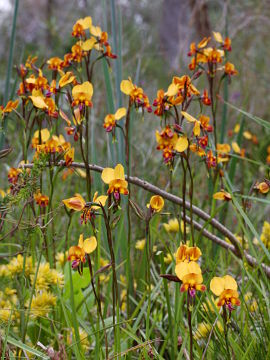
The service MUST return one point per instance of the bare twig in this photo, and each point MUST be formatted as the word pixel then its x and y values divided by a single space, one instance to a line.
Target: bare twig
pixel 179 201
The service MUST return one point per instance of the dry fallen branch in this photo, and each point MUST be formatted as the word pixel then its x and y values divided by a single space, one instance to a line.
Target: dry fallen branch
pixel 234 247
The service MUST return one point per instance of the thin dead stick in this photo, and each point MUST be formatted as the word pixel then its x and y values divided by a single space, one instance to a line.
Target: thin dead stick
pixel 210 335
pixel 234 247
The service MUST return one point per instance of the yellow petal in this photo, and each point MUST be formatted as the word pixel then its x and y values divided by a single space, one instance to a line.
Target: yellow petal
pixel 66 79
pixel 219 195
pixel 45 134
pixel 236 147
pixel 229 282
pixel 87 88
pixel 96 31
pixel 172 90
pixel 86 22
pixel 126 86
pixel 203 42
pixel 90 244
pixel 89 44
pixel 81 172
pixel 102 199
pixel 194 268
pixel 218 37
pixel 217 285
pixel 107 175
pixel 38 102
pixel 188 117
pixel 80 242
pixel 181 144
pixel 236 128
pixel 197 128
pixel 181 270
pixel 247 135
pixel 119 172
pixel 121 112
pixel 64 117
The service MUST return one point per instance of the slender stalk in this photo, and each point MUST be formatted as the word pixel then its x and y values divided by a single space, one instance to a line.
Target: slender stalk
pixel 184 198
pixel 127 151
pixel 189 303
pixel 191 198
pixel 224 316
pixel 114 283
pixel 98 304
pixel 148 282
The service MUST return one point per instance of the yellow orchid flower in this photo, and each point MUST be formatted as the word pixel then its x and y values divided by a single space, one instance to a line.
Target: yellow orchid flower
pixel 226 288
pixel 191 276
pixel 82 94
pixel 156 203
pixel 186 254
pixel 110 119
pixel 222 195
pixel 76 254
pixel 77 203
pixel 115 178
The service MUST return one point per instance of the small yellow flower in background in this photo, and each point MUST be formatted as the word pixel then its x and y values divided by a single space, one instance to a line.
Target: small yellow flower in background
pixel 191 276
pixel 60 259
pixel 265 236
pixel 103 262
pixel 251 303
pixel 172 226
pixel 46 277
pixel 41 199
pixel 17 264
pixel 123 280
pixel 236 147
pixel 82 94
pixel 84 341
pixel 168 258
pixel 140 244
pixel 202 331
pixel 240 239
pixel 76 254
pixel 226 288
pixel 115 178
pixel 42 304
pixel 210 306
pixel 263 187
pixel 222 195
pixel 185 254
pixel 110 119
pixel 156 203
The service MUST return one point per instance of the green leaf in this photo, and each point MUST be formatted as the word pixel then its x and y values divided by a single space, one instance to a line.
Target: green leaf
pixel 258 120
pixel 25 347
